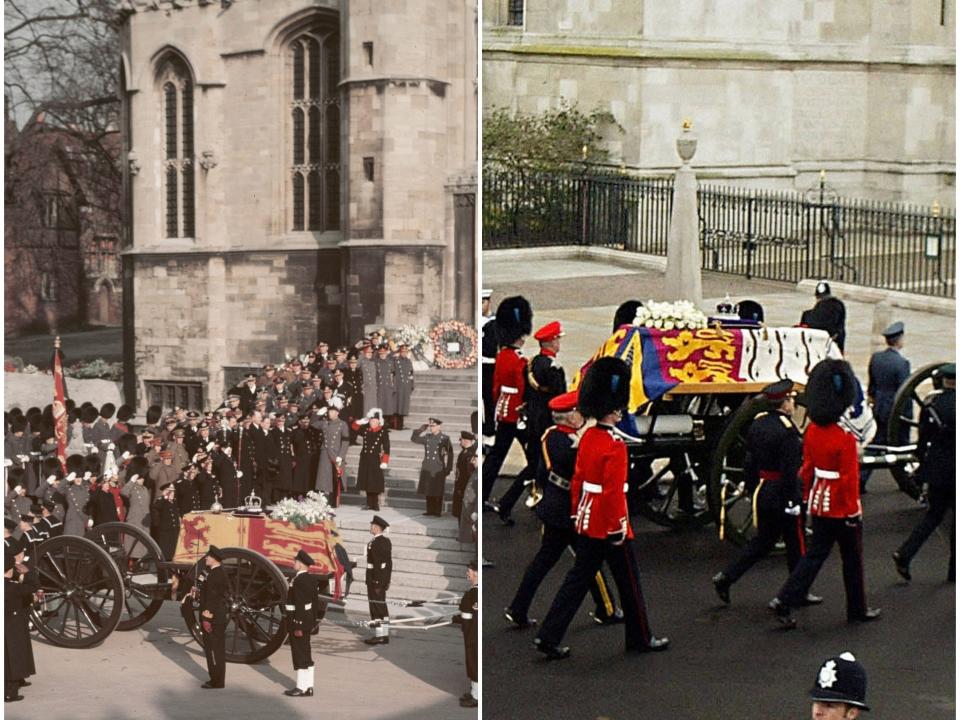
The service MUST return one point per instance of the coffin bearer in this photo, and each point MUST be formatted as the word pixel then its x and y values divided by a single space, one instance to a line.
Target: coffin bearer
pixel 437 463
pixel 379 568
pixel 840 690
pixel 598 493
pixel 469 620
pixel 213 618
pixel 938 445
pixel 545 380
pixel 301 617
pixel 831 488
pixel 553 485
pixel 514 322
pixel 774 454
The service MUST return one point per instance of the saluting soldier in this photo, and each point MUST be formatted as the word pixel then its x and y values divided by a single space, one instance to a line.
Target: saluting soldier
pixel 831 488
pixel 437 464
pixel 514 322
pixel 374 457
pixel 938 466
pixel 560 443
pixel 213 618
pixel 774 454
pixel 19 585
pixel 403 369
pixel 386 382
pixel 379 570
pixel 468 451
pixel 138 512
pixel 469 621
pixel 368 377
pixel 51 524
pixel 166 521
pixel 335 442
pixel 78 495
pixel 302 616
pixel 599 504
pixel 545 380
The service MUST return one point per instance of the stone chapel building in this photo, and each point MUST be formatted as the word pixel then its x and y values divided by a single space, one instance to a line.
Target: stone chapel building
pixel 295 170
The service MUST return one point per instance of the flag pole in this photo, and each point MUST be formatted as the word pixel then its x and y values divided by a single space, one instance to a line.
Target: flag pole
pixel 59 405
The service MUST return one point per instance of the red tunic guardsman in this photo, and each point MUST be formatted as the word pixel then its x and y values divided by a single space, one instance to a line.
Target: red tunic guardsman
pixel 831 484
pixel 599 500
pixel 514 322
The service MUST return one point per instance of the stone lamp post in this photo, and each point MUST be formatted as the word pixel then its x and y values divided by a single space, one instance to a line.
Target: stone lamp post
pixel 683 279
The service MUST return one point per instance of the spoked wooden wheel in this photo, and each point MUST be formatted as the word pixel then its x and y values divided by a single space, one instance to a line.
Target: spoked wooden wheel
pixel 904 424
pixel 255 618
pixel 669 492
pixel 82 592
pixel 138 557
pixel 726 486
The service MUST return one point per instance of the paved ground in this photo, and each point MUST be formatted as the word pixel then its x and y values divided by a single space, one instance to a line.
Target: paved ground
pixel 155 672
pixel 106 343
pixel 725 662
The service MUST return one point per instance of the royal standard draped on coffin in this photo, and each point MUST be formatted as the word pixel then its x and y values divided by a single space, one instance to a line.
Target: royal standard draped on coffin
pixel 661 360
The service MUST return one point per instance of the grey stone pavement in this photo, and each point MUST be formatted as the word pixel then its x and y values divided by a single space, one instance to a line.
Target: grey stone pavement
pixel 155 672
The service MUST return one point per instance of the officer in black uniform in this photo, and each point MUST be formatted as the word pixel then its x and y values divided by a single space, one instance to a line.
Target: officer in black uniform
pixel 469 620
pixel 887 371
pixel 48 526
pixel 213 618
pixel 938 445
pixel 828 314
pixel 301 617
pixel 774 455
pixel 841 680
pixel 18 593
pixel 553 481
pixel 379 568
pixel 9 541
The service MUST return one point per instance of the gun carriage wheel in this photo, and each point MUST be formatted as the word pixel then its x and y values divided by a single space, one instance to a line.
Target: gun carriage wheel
pixel 256 626
pixel 140 562
pixel 83 592
pixel 903 426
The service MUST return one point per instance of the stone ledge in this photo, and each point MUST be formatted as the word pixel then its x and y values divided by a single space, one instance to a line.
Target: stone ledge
pixel 624 258
pixel 907 301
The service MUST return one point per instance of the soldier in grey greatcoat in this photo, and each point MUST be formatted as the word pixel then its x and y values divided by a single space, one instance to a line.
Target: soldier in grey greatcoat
pixel 403 372
pixel 16 449
pixel 139 511
pixel 437 463
pixel 368 379
pixel 333 450
pixel 77 495
pixel 386 382
pixel 469 512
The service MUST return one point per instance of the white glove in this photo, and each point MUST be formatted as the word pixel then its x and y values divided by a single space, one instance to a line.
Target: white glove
pixel 111 446
pixel 90 522
pixel 473 517
pixel 792 509
pixel 339 461
pixel 126 455
pixel 94 451
pixel 322 411
pixel 239 473
pixel 383 466
pixel 7 462
pixel 363 421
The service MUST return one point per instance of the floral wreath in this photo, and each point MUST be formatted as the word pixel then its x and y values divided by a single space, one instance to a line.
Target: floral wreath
pixel 454 331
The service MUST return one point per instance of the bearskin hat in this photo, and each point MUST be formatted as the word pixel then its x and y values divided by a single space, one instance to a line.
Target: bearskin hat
pixel 138 466
pixel 107 410
pixel 153 414
pixel 50 466
pixel 89 415
pixel 626 313
pixel 18 424
pixel 831 389
pixel 75 464
pixel 15 476
pixel 750 310
pixel 91 464
pixel 48 414
pixel 127 443
pixel 605 387
pixel 514 319
pixel 124 413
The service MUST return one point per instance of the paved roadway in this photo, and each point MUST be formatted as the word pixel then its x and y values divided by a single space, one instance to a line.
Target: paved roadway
pixel 725 662
pixel 106 343
pixel 155 672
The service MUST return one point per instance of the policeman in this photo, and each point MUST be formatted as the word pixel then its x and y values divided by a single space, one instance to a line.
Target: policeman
pixel 599 505
pixel 938 445
pixel 379 569
pixel 774 452
pixel 301 616
pixel 840 690
pixel 514 322
pixel 545 380
pixel 559 447
pixel 831 489
pixel 489 347
pixel 469 620
pixel 828 314
pixel 213 618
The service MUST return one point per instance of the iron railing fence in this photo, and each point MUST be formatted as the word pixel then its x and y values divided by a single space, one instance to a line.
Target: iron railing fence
pixel 775 235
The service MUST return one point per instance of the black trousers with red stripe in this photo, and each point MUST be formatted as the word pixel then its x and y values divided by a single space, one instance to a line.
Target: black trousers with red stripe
pixel 848 534
pixel 772 524
pixel 591 553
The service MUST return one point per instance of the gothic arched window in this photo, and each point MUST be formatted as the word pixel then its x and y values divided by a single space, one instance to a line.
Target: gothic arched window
pixel 314 101
pixel 176 92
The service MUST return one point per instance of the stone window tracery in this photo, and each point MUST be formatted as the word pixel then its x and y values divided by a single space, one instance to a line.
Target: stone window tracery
pixel 179 164
pixel 314 57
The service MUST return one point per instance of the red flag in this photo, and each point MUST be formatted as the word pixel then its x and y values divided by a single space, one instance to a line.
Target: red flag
pixel 59 406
